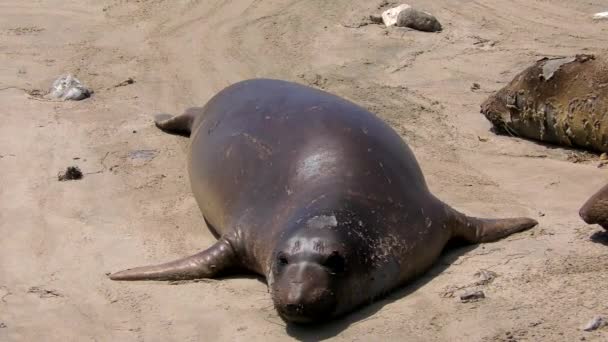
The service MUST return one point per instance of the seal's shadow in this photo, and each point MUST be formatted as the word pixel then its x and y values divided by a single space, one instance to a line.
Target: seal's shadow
pixel 545 144
pixel 318 332
pixel 600 237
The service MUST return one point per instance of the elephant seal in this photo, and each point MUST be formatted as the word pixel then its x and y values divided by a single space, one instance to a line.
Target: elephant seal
pixel 562 101
pixel 313 192
pixel 595 210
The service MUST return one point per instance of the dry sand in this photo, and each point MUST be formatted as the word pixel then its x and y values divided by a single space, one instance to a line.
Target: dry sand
pixel 58 239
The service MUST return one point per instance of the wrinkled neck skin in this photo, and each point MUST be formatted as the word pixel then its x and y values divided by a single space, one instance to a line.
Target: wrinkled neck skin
pixel 327 263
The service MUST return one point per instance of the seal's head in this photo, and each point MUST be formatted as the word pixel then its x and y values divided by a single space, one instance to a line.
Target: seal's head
pixel 311 272
pixel 595 210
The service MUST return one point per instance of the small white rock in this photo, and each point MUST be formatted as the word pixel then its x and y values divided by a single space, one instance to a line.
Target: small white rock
pixel 389 17
pixel 69 88
pixel 596 323
pixel 600 15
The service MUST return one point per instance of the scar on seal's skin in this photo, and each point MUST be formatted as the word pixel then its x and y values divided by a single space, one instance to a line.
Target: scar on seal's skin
pixel 264 151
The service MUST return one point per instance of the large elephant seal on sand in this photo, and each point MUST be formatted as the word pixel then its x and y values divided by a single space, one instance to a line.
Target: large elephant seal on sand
pixel 595 210
pixel 562 101
pixel 315 193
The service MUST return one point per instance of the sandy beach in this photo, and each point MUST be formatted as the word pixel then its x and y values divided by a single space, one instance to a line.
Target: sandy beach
pixel 134 205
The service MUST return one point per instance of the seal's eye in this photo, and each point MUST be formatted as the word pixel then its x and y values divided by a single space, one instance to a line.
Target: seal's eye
pixel 282 259
pixel 335 263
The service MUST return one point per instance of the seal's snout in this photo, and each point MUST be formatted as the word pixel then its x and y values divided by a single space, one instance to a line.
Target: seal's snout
pixel 302 293
pixel 308 308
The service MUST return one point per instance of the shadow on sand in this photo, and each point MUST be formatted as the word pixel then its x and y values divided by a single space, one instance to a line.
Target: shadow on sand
pixel 547 145
pixel 600 237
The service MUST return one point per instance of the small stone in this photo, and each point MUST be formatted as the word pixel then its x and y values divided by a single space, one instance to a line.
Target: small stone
pixel 389 17
pixel 472 296
pixel 596 323
pixel 2 325
pixel 600 16
pixel 604 156
pixel 126 82
pixel 475 86
pixel 418 20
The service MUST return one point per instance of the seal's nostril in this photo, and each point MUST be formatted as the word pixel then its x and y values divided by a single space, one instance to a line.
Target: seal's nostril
pixel 293 308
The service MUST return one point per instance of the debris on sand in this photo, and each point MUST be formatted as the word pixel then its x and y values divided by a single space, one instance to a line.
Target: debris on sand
pixel 418 20
pixel 2 325
pixel 124 83
pixel 142 157
pixel 475 86
pixel 143 154
pixel 600 16
pixel 389 17
pixel 44 293
pixel 485 277
pixel 472 296
pixel 69 88
pixel 71 173
pixel 596 323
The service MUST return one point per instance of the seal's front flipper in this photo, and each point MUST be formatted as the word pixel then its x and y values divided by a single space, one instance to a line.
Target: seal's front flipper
pixel 181 124
pixel 478 230
pixel 206 264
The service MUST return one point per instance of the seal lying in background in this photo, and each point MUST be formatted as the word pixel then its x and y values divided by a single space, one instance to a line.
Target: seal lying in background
pixel 595 210
pixel 562 101
pixel 315 193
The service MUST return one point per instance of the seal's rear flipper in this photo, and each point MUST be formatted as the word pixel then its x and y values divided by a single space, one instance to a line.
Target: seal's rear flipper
pixel 180 125
pixel 206 264
pixel 478 230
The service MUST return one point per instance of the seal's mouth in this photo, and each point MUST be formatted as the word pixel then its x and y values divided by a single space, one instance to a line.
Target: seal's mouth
pixel 295 314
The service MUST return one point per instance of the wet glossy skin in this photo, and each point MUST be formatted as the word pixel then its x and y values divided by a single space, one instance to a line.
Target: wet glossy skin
pixel 315 193
pixel 288 153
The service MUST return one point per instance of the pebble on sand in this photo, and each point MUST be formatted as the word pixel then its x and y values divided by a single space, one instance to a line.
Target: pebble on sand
pixel 596 323
pixel 418 20
pixel 472 296
pixel 390 15
pixel 600 16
